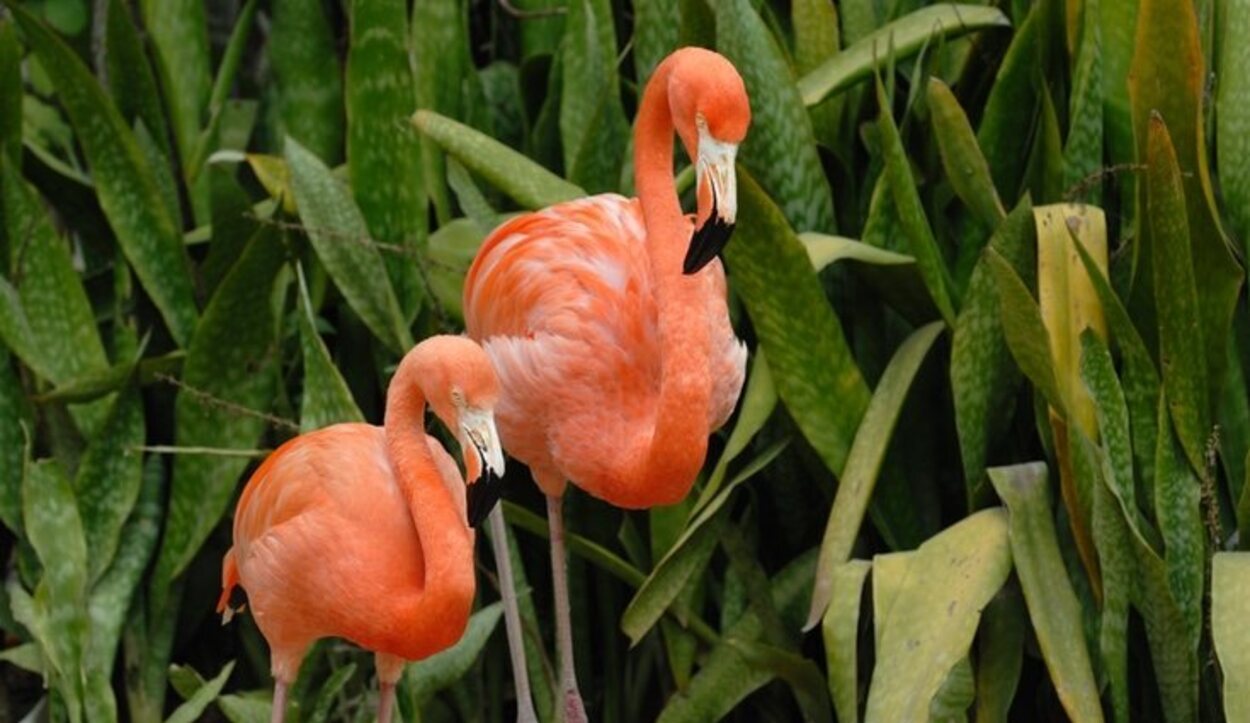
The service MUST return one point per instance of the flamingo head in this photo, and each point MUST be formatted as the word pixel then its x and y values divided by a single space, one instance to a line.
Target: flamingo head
pixel 711 113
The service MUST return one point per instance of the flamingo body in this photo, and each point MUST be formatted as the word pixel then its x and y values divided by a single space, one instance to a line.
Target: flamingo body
pixel 564 302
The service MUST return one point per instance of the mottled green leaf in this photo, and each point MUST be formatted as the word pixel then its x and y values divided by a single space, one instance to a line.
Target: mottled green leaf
pixel 1083 149
pixel 726 677
pixel 326 399
pixel 1023 329
pixel 308 78
pixel 1178 510
pixel 899 39
pixel 338 233
pixel 232 359
pixel 1011 106
pixel 130 80
pixel 983 377
pixel 126 189
pixel 15 423
pixel 840 631
pixel 911 213
pixel 779 148
pixel 593 129
pixel 524 181
pixel 1230 588
pixel 1053 606
pixel 427 677
pixel 954 575
pixel 190 711
pixel 1232 117
pixel 807 353
pixel 218 111
pixel 965 166
pixel 863 464
pixel 383 150
pixel 109 477
pixel 179 31
pixel 656 26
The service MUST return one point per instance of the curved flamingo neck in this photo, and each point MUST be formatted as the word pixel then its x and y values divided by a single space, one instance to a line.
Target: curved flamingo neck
pixel 446 541
pixel 679 441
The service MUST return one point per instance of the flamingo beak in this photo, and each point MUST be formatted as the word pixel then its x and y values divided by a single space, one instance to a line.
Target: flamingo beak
pixel 718 201
pixel 478 427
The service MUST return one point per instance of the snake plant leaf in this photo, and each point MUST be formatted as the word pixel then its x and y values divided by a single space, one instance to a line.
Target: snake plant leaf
pixel 1083 147
pixel 218 111
pixel 593 129
pixel 840 630
pixel 1000 655
pixel 1232 119
pixel 190 711
pixel 522 180
pixel 339 235
pixel 15 421
pixel 1012 104
pixel 905 37
pixel 1178 508
pixel 308 78
pixel 126 188
pixel 656 26
pixel 327 399
pixel 1230 584
pixel 383 151
pixel 966 168
pixel 179 32
pixel 953 575
pixel 780 148
pixel 232 359
pixel 130 79
pixel 864 463
pixel 1053 606
pixel 109 478
pixel 1023 329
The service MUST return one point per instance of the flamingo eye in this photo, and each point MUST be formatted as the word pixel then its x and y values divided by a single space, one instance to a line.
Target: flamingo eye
pixel 457 397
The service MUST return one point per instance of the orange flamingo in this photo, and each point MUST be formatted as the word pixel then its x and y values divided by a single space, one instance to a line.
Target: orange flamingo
pixel 359 531
pixel 606 320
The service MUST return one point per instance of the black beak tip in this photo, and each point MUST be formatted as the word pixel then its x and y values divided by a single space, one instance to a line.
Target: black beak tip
pixel 482 496
pixel 706 244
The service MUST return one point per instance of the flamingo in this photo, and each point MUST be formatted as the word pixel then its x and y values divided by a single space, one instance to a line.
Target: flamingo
pixel 606 320
pixel 359 531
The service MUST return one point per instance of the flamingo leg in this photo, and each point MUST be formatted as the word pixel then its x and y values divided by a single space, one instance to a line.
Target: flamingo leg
pixel 389 668
pixel 574 710
pixel 512 617
pixel 279 701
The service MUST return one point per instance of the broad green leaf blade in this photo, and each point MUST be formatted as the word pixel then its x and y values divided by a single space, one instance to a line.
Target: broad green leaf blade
pixel 965 166
pixel 1168 78
pixel 232 359
pixel 521 179
pixel 903 37
pixel 1011 106
pixel 130 80
pixel 1000 655
pixel 593 130
pixel 308 79
pixel 244 709
pixel 61 323
pixel 863 464
pixel 1178 508
pixel 342 242
pixel 327 399
pixel 656 25
pixel 109 477
pixel 54 530
pixel 840 631
pixel 953 575
pixel 1053 606
pixel 1023 329
pixel 427 677
pixel 190 711
pixel 1232 118
pixel 179 31
pixel 126 189
pixel 726 677
pixel 383 150
pixel 1181 347
pixel 218 112
pixel 815 24
pixel 800 673
pixel 911 214
pixel 984 379
pixel 780 148
pixel 823 249
pixel 808 356
pixel 1230 587
pixel 1083 149
pixel 688 556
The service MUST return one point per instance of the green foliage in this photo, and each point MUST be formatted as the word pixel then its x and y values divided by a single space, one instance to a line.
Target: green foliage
pixel 1042 518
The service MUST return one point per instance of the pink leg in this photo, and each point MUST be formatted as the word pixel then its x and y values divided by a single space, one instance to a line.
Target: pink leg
pixel 574 710
pixel 279 702
pixel 389 670
pixel 512 618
